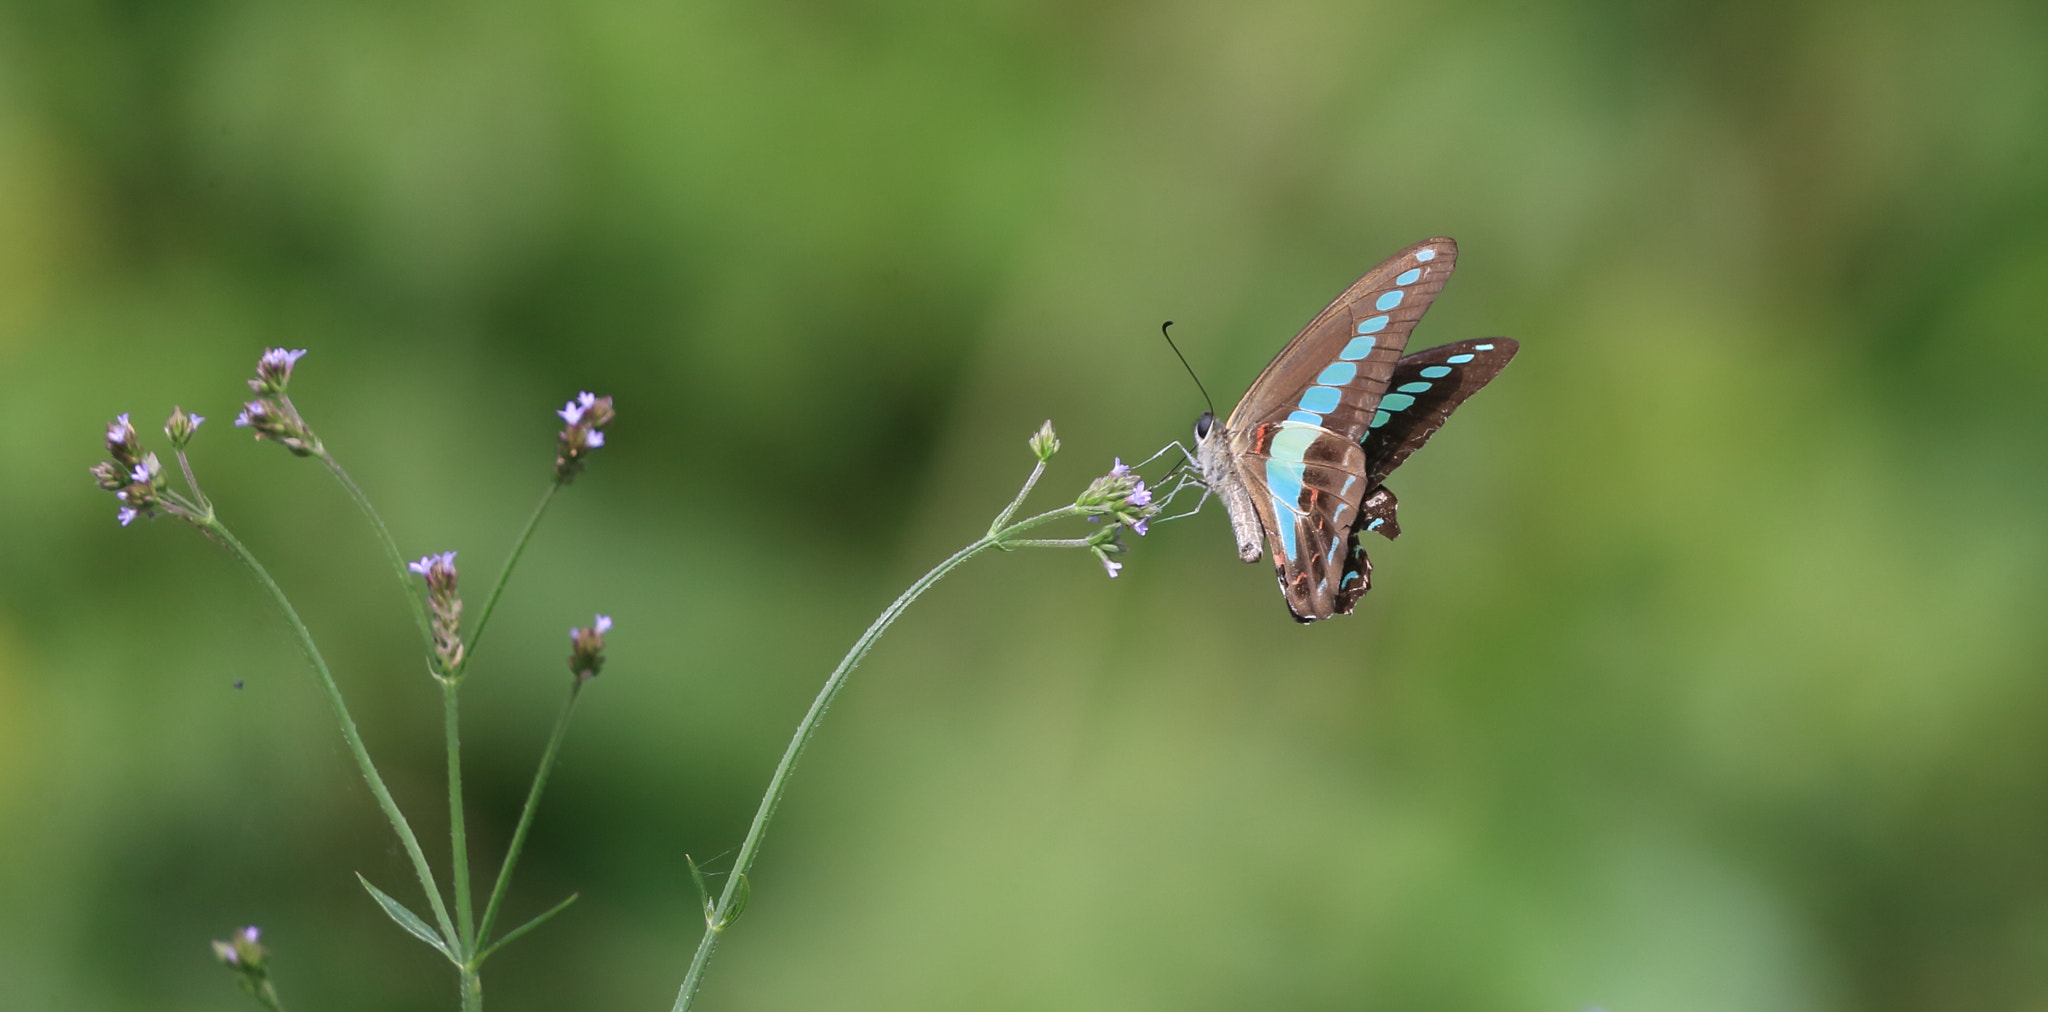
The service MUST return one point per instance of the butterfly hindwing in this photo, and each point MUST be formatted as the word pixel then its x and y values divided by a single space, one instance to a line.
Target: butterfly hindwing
pixel 1306 483
pixel 1333 373
pixel 1422 392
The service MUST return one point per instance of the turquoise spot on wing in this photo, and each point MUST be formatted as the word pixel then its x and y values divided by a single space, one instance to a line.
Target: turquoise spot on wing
pixel 1338 374
pixel 1437 371
pixel 1373 325
pixel 1359 347
pixel 1291 444
pixel 1305 417
pixel 1379 418
pixel 1348 577
pixel 1425 255
pixel 1483 347
pixel 1395 402
pixel 1412 388
pixel 1387 300
pixel 1408 276
pixel 1376 522
pixel 1460 359
pixel 1321 400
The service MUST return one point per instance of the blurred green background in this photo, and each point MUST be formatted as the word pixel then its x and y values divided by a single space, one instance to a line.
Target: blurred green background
pixel 1709 674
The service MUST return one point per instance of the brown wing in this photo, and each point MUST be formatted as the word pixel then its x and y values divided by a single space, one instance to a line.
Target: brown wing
pixel 1305 484
pixel 1425 388
pixel 1333 373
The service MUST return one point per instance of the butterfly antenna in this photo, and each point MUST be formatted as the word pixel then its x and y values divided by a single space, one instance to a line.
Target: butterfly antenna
pixel 1184 364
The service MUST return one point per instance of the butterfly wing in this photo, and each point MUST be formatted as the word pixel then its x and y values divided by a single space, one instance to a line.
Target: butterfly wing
pixel 1296 436
pixel 1333 373
pixel 1422 392
pixel 1305 483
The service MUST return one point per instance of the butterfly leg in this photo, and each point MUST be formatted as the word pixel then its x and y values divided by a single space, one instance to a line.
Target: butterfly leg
pixel 1186 457
pixel 1186 480
pixel 1376 514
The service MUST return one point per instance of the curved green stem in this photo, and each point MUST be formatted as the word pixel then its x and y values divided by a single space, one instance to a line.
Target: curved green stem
pixel 722 914
pixel 356 748
pixel 540 783
pixel 483 618
pixel 391 552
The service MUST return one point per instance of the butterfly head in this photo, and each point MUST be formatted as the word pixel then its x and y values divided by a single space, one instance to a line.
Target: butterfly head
pixel 1203 426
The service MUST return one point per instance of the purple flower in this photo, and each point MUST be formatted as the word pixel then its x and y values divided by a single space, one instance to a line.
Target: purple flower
pixel 274 370
pixel 444 603
pixel 586 655
pixel 573 411
pixel 445 560
pixel 1112 565
pixel 127 515
pixel 121 442
pixel 585 416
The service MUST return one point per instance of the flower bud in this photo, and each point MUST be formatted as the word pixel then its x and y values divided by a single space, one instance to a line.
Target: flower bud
pixel 277 422
pixel 181 426
pixel 585 416
pixel 586 657
pixel 274 371
pixel 444 603
pixel 122 444
pixel 250 961
pixel 1044 443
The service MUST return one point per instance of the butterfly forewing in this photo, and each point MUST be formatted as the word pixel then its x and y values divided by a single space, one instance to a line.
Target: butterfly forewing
pixel 1333 373
pixel 1422 392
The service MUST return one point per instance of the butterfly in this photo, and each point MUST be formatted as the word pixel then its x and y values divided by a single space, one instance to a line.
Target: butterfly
pixel 1302 461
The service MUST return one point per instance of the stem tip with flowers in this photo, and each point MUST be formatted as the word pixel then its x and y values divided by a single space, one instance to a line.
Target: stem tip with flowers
pixel 1120 498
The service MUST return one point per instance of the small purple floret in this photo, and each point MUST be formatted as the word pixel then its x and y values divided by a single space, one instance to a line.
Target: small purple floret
pixel 127 515
pixel 604 623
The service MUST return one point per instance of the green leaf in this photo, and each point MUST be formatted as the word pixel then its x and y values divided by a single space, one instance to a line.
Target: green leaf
pixel 740 891
pixel 407 919
pixel 524 928
pixel 703 894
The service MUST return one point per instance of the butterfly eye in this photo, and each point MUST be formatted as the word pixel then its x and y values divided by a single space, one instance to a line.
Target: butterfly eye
pixel 1202 426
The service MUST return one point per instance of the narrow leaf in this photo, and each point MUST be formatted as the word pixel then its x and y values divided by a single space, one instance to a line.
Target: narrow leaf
pixel 524 928
pixel 407 919
pixel 740 892
pixel 703 894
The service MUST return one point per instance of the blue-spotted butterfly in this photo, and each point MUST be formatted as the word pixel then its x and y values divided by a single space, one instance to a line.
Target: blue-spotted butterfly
pixel 1301 461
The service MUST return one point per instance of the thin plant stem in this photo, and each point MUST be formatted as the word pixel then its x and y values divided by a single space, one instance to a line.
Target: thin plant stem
pixel 483 617
pixel 540 783
pixel 1022 494
pixel 391 552
pixel 458 834
pixel 720 916
pixel 472 990
pixel 192 481
pixel 348 725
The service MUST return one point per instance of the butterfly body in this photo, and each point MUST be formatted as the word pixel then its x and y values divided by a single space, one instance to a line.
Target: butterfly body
pixel 1301 463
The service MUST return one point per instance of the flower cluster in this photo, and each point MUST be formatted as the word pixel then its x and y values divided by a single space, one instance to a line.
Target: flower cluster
pixel 445 604
pixel 135 477
pixel 586 657
pixel 271 413
pixel 250 962
pixel 585 416
pixel 1122 498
